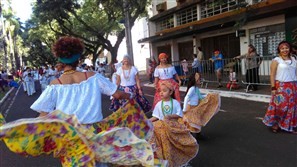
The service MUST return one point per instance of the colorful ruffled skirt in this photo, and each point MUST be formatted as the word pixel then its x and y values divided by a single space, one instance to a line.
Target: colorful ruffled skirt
pixel 198 116
pixel 172 141
pixel 282 110
pixel 119 139
pixel 157 96
pixel 141 100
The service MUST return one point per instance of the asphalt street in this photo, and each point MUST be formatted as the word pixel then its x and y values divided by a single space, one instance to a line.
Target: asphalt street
pixel 235 137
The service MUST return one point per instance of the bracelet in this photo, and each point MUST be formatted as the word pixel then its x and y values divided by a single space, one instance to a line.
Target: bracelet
pixel 273 88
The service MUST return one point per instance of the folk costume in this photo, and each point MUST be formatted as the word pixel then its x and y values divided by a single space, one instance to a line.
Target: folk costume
pixel 75 132
pixel 282 109
pixel 128 85
pixel 171 139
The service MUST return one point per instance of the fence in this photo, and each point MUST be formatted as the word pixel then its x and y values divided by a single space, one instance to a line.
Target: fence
pixel 245 75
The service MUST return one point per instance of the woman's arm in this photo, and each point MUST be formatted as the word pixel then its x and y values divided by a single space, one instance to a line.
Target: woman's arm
pixel 156 82
pixel 118 81
pixel 122 95
pixel 273 68
pixel 41 114
pixel 138 84
pixel 153 119
pixel 178 79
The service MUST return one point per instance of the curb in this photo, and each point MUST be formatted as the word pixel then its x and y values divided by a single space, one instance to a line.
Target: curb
pixel 239 95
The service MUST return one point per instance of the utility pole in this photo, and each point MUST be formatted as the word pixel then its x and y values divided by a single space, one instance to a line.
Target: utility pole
pixel 128 31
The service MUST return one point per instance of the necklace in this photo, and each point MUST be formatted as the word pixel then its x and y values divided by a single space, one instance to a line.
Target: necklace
pixel 69 71
pixel 166 71
pixel 167 110
pixel 127 78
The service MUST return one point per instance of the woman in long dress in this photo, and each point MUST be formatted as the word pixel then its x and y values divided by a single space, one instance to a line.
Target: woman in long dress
pixel 166 72
pixel 127 79
pixel 281 113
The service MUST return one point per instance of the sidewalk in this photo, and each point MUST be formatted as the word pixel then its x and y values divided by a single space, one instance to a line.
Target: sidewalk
pixel 261 95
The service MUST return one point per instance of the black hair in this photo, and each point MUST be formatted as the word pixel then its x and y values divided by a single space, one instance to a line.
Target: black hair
pixel 192 81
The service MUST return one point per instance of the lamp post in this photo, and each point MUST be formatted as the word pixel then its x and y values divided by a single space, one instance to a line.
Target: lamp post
pixel 128 31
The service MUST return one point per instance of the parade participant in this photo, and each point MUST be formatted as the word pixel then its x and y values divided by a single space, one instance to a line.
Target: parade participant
pixel 24 75
pixel 198 109
pixel 30 84
pixel 282 113
pixel 129 82
pixel 70 124
pixel 217 59
pixel 252 67
pixel 171 138
pixel 165 72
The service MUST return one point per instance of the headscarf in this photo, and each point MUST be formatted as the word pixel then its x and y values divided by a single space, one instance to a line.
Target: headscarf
pixel 284 44
pixel 163 55
pixel 168 85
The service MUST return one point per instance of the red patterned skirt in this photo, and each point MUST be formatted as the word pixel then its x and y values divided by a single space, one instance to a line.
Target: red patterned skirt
pixel 282 110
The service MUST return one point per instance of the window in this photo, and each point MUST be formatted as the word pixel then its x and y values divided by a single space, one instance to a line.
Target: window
pixel 165 23
pixel 214 7
pixel 187 15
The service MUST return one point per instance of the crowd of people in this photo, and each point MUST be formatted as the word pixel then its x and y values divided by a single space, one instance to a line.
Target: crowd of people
pixel 71 124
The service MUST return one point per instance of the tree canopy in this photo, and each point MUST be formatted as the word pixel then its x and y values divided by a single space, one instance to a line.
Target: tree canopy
pixel 93 21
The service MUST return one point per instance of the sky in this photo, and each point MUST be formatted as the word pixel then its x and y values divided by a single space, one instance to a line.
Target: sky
pixel 22 8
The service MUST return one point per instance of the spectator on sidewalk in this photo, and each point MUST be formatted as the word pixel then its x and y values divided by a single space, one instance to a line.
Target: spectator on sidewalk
pixel 200 57
pixel 195 64
pixel 217 59
pixel 252 67
pixel 281 113
pixel 232 84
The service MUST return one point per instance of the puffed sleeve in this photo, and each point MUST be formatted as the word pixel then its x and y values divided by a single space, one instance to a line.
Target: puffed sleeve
pixel 173 70
pixel 106 87
pixel 156 73
pixel 46 101
pixel 187 98
pixel 157 112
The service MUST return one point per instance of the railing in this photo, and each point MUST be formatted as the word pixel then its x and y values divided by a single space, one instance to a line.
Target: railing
pixel 245 77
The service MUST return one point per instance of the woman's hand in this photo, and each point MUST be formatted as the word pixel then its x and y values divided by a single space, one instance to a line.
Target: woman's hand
pixel 273 92
pixel 179 83
pixel 140 92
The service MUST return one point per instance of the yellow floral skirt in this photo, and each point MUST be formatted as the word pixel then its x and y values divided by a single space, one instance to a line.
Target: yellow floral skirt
pixel 198 116
pixel 119 139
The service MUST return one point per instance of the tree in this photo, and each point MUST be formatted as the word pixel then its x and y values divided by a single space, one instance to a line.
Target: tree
pixel 90 20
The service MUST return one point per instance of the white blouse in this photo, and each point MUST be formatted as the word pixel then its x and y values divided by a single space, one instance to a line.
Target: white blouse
pixel 128 77
pixel 176 109
pixel 192 97
pixel 165 73
pixel 286 70
pixel 81 99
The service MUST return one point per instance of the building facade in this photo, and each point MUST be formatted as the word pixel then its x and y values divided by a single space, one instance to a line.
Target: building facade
pixel 179 27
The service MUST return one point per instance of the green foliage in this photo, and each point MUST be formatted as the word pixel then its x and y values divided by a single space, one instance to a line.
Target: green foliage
pixel 91 20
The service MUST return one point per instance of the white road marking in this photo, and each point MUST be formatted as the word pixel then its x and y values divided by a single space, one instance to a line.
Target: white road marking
pixel 12 101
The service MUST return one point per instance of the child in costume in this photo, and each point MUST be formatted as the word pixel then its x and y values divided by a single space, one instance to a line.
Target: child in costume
pixel 172 140
pixel 198 110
